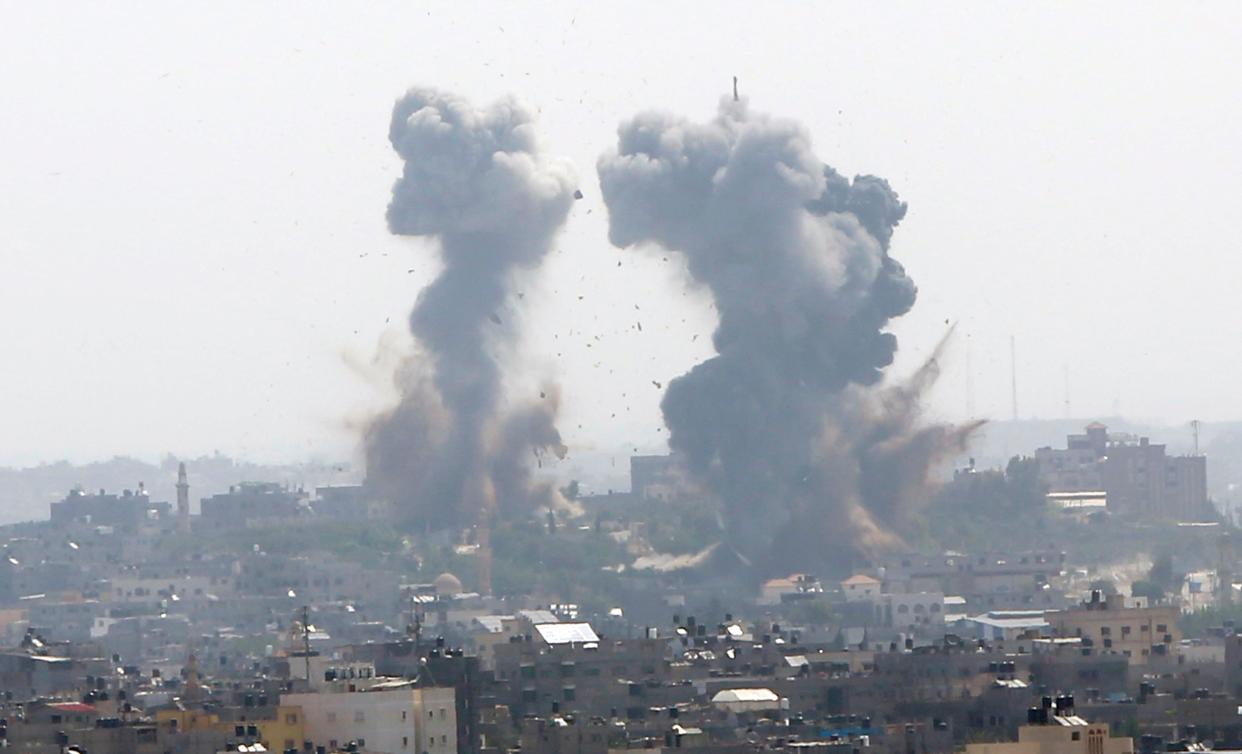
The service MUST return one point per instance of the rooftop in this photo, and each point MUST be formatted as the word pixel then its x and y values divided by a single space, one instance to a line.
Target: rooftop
pixel 566 633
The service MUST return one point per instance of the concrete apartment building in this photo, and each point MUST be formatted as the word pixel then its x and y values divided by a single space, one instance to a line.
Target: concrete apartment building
pixel 1058 730
pixel 1138 477
pixel 126 511
pixel 565 667
pixel 250 501
pixel 1015 580
pixel 392 717
pixel 1137 633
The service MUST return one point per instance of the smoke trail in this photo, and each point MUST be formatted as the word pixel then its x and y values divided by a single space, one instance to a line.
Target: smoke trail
pixel 476 183
pixel 787 422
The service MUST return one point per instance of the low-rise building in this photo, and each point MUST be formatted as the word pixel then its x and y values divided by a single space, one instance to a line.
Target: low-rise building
pixel 1054 728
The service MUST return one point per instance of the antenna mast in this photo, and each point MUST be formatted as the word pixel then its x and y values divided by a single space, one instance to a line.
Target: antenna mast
pixel 1067 393
pixel 970 383
pixel 1013 374
pixel 306 639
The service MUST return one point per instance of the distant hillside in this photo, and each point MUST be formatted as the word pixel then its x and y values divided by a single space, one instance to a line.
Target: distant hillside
pixel 25 494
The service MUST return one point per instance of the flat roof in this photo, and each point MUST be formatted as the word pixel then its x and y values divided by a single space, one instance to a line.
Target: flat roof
pixel 566 633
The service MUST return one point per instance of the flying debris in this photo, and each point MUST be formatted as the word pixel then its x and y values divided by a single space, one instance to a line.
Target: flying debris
pixel 477 188
pixel 789 423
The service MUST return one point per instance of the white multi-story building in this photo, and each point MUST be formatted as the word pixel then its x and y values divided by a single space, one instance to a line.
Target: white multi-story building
pixel 392 717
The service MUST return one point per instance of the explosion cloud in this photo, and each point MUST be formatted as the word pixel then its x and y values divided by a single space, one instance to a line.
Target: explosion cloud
pixel 475 182
pixel 788 423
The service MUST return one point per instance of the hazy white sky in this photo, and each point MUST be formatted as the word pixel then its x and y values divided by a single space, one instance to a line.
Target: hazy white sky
pixel 192 201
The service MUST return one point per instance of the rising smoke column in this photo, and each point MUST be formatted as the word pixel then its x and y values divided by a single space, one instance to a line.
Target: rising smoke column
pixel 475 182
pixel 788 422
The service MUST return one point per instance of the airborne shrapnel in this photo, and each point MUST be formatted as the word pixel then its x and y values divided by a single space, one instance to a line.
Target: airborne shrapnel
pixel 476 182
pixel 788 423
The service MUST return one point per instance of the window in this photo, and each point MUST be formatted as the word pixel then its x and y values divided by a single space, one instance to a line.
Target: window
pixel 1105 631
pixel 443 713
pixel 1075 736
pixel 431 714
pixel 1162 628
pixel 332 719
pixel 405 742
pixel 291 719
pixel 403 712
pixel 359 716
pixel 567 693
pixel 1125 630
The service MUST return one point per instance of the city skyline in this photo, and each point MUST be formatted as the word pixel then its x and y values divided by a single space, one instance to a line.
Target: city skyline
pixel 198 259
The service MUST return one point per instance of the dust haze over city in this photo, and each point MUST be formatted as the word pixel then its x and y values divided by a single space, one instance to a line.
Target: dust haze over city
pixel 578 378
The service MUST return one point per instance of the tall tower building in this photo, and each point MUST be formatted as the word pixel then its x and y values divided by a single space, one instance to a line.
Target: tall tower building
pixel 183 501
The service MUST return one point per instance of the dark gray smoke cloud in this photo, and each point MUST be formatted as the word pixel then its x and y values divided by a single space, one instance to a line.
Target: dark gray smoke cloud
pixel 788 422
pixel 475 182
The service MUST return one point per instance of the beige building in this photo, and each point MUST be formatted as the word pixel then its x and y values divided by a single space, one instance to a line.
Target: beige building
pixel 1113 628
pixel 1054 733
pixel 772 592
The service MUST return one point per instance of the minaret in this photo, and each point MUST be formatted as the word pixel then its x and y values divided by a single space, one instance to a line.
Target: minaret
pixel 192 685
pixel 183 501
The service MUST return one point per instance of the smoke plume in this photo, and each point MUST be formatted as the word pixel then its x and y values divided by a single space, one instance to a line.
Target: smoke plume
pixel 474 182
pixel 788 423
